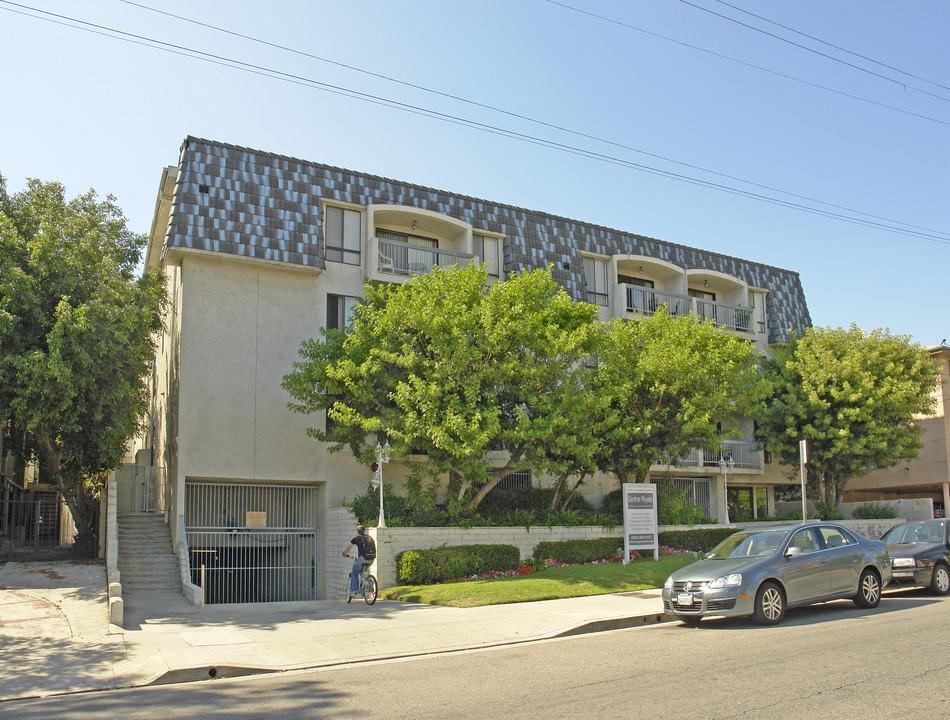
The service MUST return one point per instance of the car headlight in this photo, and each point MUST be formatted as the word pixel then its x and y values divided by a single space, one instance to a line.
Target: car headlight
pixel 733 580
pixel 668 585
pixel 903 562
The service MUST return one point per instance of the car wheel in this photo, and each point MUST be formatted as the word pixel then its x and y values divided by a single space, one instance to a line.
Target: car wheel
pixel 940 582
pixel 691 620
pixel 869 590
pixel 769 604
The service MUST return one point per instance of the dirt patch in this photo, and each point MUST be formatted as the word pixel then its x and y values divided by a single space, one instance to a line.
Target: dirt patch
pixel 51 574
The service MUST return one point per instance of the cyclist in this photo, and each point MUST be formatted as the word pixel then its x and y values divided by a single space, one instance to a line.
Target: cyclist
pixel 365 554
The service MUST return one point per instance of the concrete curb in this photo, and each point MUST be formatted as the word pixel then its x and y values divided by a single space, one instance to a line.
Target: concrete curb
pixel 217 672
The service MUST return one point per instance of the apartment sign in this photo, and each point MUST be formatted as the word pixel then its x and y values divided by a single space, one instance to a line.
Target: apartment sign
pixel 639 519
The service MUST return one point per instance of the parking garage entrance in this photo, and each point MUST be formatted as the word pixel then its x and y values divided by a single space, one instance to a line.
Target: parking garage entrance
pixel 252 543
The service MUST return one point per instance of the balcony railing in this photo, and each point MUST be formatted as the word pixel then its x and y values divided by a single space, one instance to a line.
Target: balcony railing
pixel 646 301
pixel 734 317
pixel 402 258
pixel 744 455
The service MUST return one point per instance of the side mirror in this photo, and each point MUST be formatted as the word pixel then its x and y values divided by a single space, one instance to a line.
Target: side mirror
pixel 793 551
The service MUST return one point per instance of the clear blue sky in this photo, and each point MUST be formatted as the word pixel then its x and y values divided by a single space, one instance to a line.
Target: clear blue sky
pixel 94 111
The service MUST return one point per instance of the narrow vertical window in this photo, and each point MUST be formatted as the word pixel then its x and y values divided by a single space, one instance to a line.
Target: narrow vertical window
pixel 595 273
pixel 758 310
pixel 340 311
pixel 343 233
pixel 487 251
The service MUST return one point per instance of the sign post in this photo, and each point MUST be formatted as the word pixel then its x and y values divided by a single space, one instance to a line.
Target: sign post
pixel 639 519
pixel 803 456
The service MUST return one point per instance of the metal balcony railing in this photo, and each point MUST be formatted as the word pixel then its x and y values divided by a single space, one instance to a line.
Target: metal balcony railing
pixel 646 301
pixel 402 258
pixel 743 454
pixel 733 317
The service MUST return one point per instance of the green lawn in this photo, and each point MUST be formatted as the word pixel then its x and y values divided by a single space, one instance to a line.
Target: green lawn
pixel 572 581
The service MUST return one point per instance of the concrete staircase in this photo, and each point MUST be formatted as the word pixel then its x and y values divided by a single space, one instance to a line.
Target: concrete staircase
pixel 146 561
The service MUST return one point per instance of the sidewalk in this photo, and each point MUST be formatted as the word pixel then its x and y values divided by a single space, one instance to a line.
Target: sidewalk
pixel 54 636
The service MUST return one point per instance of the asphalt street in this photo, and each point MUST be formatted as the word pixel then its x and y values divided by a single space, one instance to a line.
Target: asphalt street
pixel 831 660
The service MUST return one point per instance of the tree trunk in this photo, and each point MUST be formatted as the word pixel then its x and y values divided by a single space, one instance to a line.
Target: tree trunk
pixel 79 499
pixel 499 475
pixel 557 492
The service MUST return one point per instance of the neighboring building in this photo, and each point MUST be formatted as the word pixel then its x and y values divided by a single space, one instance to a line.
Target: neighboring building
pixel 928 476
pixel 262 251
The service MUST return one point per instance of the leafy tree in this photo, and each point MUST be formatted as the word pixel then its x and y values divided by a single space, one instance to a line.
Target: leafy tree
pixel 853 396
pixel 451 368
pixel 669 381
pixel 76 337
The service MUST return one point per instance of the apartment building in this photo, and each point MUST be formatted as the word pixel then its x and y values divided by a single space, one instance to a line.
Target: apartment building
pixel 262 251
pixel 928 475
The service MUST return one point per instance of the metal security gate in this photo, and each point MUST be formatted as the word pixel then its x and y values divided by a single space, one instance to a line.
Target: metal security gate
pixel 140 488
pixel 35 527
pixel 252 543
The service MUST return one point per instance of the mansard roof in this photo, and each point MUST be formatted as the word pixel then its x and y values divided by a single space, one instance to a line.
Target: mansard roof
pixel 260 205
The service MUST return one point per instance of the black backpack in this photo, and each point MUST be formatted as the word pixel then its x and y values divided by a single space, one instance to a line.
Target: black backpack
pixel 369 548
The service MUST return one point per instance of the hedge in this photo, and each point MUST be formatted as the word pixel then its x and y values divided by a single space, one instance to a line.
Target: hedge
pixel 697 540
pixel 424 567
pixel 578 551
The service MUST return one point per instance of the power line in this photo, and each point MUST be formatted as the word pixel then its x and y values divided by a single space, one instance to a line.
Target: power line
pixel 811 50
pixel 748 64
pixel 893 226
pixel 832 45
pixel 509 113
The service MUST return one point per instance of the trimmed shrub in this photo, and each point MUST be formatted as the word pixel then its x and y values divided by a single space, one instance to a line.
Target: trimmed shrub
pixel 425 567
pixel 578 551
pixel 875 511
pixel 700 540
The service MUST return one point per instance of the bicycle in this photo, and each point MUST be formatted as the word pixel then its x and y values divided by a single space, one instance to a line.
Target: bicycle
pixel 368 588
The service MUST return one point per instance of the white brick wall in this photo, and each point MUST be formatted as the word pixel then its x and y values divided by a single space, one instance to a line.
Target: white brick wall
pixel 339 530
pixel 392 541
pixel 341 527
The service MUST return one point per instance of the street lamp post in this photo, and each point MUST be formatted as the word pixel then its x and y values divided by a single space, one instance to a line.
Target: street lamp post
pixel 724 467
pixel 382 457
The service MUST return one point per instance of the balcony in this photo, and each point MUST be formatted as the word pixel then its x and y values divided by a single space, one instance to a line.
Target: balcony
pixel 646 301
pixel 743 454
pixel 402 259
pixel 732 317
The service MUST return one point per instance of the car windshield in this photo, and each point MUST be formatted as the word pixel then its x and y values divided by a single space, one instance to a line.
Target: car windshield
pixel 930 532
pixel 759 543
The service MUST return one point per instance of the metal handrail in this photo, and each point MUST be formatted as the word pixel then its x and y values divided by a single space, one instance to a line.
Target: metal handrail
pixel 402 258
pixel 647 301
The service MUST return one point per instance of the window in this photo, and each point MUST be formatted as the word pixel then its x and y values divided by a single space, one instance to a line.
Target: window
pixel 595 273
pixel 701 294
pixel 342 232
pixel 396 257
pixel 486 250
pixel 630 280
pixel 697 490
pixel 804 539
pixel 758 310
pixel 834 537
pixel 340 311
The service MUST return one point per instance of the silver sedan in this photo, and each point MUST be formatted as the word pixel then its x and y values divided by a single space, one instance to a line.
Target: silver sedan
pixel 763 572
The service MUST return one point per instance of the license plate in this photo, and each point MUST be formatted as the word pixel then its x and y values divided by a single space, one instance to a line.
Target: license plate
pixel 684 599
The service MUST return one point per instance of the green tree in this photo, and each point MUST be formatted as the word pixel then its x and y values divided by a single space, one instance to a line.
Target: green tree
pixel 670 381
pixel 854 397
pixel 76 337
pixel 451 368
